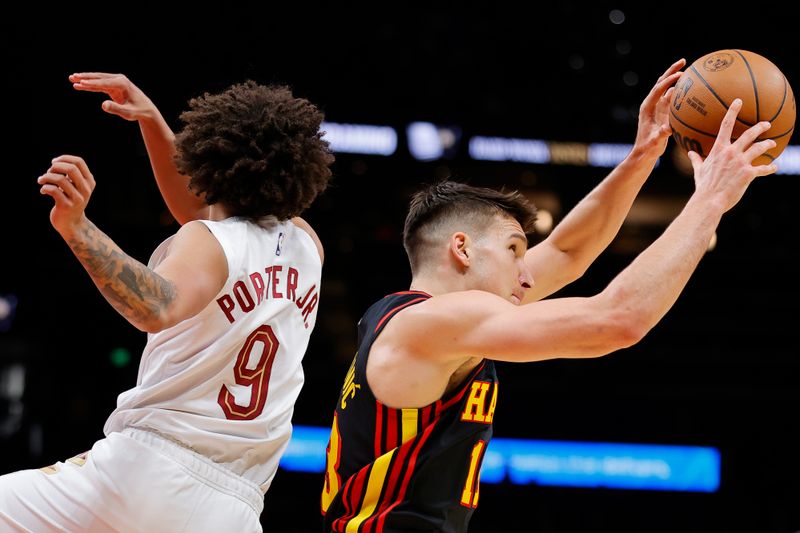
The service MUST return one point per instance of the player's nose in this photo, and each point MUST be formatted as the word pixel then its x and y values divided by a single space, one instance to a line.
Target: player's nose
pixel 526 277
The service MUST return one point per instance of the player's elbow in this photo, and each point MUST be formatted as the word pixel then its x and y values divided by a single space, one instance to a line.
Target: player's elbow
pixel 621 328
pixel 629 330
pixel 155 323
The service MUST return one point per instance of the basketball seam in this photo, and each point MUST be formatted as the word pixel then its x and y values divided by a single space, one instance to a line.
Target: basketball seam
pixel 676 117
pixel 714 93
pixel 790 130
pixel 733 139
pixel 783 101
pixel 753 82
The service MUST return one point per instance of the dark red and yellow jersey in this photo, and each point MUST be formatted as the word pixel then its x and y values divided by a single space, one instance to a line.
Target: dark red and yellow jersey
pixel 392 470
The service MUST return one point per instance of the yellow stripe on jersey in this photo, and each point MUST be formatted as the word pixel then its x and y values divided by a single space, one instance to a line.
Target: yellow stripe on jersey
pixel 331 486
pixel 52 469
pixel 409 423
pixel 374 485
pixel 79 459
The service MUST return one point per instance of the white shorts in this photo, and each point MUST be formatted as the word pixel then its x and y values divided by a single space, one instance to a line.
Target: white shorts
pixel 130 481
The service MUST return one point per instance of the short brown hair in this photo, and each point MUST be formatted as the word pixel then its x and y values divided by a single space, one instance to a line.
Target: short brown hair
pixel 256 149
pixel 453 200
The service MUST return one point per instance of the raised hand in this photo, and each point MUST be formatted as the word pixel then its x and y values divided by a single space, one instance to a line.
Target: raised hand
pixel 70 183
pixel 728 170
pixel 653 131
pixel 130 103
pixel 127 100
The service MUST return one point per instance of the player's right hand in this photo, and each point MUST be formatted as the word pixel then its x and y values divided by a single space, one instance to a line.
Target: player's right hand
pixel 70 183
pixel 127 100
pixel 728 169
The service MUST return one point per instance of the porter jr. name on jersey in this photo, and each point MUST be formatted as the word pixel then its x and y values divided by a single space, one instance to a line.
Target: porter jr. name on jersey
pixel 273 285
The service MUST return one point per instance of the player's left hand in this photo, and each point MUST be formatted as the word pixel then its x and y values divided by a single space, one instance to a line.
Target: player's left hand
pixel 654 129
pixel 70 183
pixel 125 99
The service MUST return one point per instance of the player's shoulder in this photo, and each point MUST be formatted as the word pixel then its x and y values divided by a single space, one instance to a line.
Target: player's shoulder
pixel 436 326
pixel 193 231
pixel 305 226
pixel 192 243
pixel 453 309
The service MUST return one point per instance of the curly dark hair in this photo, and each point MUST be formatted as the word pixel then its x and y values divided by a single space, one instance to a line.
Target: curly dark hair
pixel 451 200
pixel 256 149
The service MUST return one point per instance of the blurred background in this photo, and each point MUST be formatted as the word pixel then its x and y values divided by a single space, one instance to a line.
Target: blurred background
pixel 721 370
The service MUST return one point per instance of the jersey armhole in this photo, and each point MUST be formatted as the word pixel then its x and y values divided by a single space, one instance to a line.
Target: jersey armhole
pixel 308 230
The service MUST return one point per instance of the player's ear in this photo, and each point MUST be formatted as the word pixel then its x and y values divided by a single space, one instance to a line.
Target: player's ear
pixel 460 249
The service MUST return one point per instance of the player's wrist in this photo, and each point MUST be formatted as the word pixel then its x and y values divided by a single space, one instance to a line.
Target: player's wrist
pixel 648 151
pixel 72 229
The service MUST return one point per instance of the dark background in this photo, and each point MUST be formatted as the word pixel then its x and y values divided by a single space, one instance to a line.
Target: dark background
pixel 720 370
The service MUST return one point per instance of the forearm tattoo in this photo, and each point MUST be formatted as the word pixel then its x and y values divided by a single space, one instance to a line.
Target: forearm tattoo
pixel 135 291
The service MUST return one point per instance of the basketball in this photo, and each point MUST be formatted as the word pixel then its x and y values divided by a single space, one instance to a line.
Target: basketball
pixel 709 85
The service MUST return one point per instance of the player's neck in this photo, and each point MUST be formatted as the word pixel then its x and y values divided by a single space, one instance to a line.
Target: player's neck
pixel 218 212
pixel 439 283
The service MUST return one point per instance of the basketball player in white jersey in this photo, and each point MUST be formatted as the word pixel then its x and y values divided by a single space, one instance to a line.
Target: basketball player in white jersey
pixel 228 303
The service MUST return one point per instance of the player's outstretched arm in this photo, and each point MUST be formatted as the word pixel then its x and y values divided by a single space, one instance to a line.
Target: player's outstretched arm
pixel 149 299
pixel 126 100
pixel 594 222
pixel 454 327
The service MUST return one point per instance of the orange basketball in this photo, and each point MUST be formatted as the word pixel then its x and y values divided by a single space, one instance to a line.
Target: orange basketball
pixel 709 85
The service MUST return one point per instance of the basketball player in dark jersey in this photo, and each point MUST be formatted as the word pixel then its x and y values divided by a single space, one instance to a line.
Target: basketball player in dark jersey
pixel 414 417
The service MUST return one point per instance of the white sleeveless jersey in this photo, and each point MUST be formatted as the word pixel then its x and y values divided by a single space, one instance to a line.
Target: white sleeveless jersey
pixel 224 382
